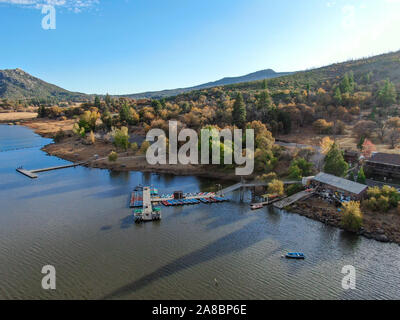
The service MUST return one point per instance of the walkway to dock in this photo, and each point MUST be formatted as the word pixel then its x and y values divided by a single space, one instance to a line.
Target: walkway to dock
pixel 292 199
pixel 32 173
pixel 254 184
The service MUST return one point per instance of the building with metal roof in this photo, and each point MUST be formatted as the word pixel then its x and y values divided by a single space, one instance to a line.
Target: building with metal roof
pixel 337 184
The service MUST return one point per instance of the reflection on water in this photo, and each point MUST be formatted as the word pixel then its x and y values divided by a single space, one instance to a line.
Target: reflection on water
pixel 77 220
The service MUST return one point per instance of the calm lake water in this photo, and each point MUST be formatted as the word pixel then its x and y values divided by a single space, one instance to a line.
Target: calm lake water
pixel 77 219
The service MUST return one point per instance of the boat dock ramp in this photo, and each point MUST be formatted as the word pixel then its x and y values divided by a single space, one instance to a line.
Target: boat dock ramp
pixel 294 198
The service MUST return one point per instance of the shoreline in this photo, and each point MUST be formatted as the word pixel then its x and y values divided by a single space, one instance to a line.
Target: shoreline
pixel 73 149
pixel 373 228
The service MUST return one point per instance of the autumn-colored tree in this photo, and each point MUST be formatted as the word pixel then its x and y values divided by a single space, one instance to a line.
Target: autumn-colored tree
pixel 326 145
pixel 352 217
pixel 368 148
pixel 276 187
pixel 322 126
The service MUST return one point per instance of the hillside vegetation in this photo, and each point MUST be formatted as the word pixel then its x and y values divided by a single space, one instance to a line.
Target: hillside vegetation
pixel 16 84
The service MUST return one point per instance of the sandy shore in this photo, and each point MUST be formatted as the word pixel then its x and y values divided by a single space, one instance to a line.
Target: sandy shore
pixel 73 149
pixel 16 116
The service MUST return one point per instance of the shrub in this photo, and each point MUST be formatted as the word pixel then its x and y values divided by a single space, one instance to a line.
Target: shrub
pixel 59 136
pixel 352 217
pixel 294 188
pixel 322 126
pixel 134 147
pixel 143 148
pixel 121 138
pixel 113 156
pixel 276 187
pixel 382 199
pixel 382 204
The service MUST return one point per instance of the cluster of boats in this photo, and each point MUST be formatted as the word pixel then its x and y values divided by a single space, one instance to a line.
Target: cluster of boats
pixel 182 202
pixel 186 195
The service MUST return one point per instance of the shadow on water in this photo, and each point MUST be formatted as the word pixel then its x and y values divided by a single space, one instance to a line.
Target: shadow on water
pixel 111 193
pixel 273 214
pixel 127 222
pixel 231 243
pixel 349 241
pixel 56 190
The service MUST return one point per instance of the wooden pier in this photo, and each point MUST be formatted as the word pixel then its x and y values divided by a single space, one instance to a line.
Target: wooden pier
pixel 32 173
pixel 292 199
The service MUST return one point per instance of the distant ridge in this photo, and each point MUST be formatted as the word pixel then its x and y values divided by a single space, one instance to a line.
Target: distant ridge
pixel 16 84
pixel 259 75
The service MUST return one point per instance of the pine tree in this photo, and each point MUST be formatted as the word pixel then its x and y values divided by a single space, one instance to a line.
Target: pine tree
pixel 107 99
pixel 264 84
pixel 338 96
pixel 334 162
pixel 264 102
pixel 97 102
pixel 345 86
pixel 387 95
pixel 239 111
pixel 361 176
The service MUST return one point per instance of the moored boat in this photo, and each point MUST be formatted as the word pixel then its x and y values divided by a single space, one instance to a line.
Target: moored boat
pixel 295 255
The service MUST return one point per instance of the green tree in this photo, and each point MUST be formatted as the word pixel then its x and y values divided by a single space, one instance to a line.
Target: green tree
pixel 338 97
pixel 107 100
pixel 239 111
pixel 347 84
pixel 113 156
pixel 334 162
pixel 264 84
pixel 124 113
pixel 300 168
pixel 157 106
pixel 121 138
pixel 264 102
pixel 361 178
pixel 97 102
pixel 106 118
pixel 387 94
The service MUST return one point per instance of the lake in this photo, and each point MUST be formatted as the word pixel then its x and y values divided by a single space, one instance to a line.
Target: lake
pixel 78 220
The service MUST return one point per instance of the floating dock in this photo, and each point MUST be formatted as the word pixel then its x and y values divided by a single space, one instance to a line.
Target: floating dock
pixel 147 212
pixel 27 173
pixel 32 173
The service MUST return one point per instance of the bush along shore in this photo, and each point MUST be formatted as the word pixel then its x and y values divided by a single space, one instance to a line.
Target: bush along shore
pixel 372 228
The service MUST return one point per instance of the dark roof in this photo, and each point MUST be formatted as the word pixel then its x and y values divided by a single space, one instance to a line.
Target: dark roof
pixel 385 158
pixel 340 183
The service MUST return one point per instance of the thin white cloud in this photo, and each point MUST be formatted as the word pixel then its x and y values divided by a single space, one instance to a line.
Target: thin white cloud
pixel 74 5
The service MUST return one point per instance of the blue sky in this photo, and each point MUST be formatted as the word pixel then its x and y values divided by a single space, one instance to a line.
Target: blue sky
pixel 128 46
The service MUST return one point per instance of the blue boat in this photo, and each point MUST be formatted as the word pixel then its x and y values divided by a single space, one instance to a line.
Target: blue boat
pixel 295 255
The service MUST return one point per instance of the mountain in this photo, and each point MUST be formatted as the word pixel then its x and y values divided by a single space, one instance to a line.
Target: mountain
pixel 16 84
pixel 259 75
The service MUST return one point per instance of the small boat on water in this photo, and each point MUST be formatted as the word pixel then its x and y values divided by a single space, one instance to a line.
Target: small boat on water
pixel 295 255
pixel 256 206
